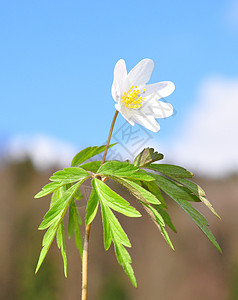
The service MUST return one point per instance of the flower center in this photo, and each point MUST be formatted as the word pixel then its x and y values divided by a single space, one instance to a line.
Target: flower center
pixel 132 98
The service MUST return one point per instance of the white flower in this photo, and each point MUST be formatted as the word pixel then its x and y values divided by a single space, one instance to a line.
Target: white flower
pixel 138 101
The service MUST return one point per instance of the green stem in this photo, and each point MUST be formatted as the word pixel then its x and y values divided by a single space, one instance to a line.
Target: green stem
pixel 88 227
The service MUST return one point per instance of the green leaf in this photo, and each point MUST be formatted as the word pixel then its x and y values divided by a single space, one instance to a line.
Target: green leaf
pixel 124 259
pixel 49 221
pixel 71 222
pixel 65 199
pixel 47 241
pixel 59 236
pixel 48 235
pixel 59 205
pixel 166 237
pixel 159 222
pixel 140 175
pixel 167 186
pixel 117 231
pixel 199 192
pixel 79 241
pixel 117 168
pixel 122 254
pixel 106 228
pixel 136 190
pixel 61 178
pixel 170 170
pixel 73 226
pixel 165 216
pixel 144 196
pixel 42 256
pixel 69 175
pixel 123 169
pixel 61 245
pixel 48 189
pixel 92 207
pixel 113 231
pixel 129 271
pixel 92 166
pixel 157 215
pixel 57 194
pixel 176 189
pixel 87 153
pixel 171 189
pixel 113 200
pixel 78 196
pixel 154 189
pixel 146 157
pixel 199 220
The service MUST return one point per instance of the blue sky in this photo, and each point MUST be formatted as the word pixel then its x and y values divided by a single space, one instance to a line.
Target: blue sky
pixel 57 60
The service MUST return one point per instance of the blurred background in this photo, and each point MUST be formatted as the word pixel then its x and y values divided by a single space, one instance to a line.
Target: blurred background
pixel 57 60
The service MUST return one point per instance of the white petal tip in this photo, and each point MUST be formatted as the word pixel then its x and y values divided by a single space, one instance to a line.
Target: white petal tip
pixel 154 129
pixel 172 86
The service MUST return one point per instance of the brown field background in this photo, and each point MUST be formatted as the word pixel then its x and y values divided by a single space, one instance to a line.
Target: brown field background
pixel 194 271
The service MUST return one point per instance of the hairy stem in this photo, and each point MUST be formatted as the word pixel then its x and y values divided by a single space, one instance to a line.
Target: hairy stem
pixel 85 263
pixel 88 227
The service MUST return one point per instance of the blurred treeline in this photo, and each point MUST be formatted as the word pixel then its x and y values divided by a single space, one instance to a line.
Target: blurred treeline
pixel 194 271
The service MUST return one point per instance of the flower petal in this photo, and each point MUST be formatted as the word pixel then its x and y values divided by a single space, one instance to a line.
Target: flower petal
pixel 161 89
pixel 141 73
pixel 147 121
pixel 120 74
pixel 157 109
pixel 125 112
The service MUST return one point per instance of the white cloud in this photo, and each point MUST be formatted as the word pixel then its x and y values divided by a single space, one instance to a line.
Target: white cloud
pixel 44 151
pixel 209 137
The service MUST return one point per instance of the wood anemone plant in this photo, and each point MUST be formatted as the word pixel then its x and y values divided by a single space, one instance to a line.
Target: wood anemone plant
pixel 145 178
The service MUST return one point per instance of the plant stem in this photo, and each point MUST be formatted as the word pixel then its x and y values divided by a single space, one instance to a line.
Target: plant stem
pixel 109 138
pixel 88 227
pixel 85 263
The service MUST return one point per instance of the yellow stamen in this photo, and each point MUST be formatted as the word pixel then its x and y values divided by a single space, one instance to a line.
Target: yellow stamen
pixel 132 98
